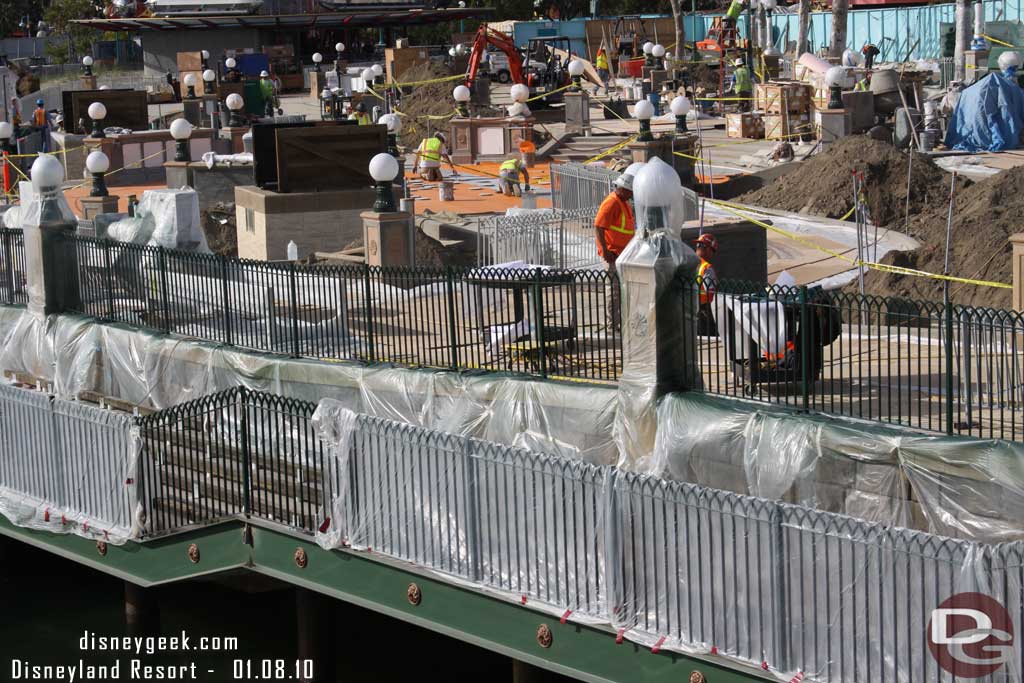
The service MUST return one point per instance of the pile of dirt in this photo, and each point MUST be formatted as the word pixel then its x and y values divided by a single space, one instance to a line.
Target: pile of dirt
pixel 219 225
pixel 823 185
pixel 422 101
pixel 985 214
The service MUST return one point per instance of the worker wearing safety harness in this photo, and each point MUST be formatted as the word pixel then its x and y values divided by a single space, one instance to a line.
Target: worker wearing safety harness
pixel 360 116
pixel 508 177
pixel 742 84
pixel 615 226
pixel 732 14
pixel 429 155
pixel 706 247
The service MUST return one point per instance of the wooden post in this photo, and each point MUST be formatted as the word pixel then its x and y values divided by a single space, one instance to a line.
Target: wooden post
pixel 1017 264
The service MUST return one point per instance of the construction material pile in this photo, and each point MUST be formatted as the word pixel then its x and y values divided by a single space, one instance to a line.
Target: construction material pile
pixel 425 107
pixel 823 185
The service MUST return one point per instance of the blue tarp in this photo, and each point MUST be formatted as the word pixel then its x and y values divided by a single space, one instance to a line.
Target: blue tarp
pixel 989 116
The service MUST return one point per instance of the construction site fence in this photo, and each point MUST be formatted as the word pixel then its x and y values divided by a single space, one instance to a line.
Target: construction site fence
pixel 576 186
pixel 910 363
pixel 12 267
pixel 540 321
pixel 556 238
pixel 669 564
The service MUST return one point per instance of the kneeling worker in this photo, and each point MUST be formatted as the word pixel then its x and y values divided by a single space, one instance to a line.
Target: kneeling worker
pixel 429 155
pixel 508 177
pixel 615 227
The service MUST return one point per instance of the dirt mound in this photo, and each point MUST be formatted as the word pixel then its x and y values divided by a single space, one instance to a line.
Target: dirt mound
pixel 823 185
pixel 219 225
pixel 985 214
pixel 422 101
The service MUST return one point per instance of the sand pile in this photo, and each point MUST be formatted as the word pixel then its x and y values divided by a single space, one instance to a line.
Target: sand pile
pixel 823 185
pixel 985 214
pixel 433 99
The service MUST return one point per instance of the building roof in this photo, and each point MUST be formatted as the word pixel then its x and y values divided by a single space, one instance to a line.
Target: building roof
pixel 388 17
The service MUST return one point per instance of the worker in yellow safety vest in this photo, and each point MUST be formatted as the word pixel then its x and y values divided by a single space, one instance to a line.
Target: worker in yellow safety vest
pixel 732 14
pixel 360 116
pixel 429 155
pixel 603 70
pixel 508 177
pixel 742 84
pixel 864 84
pixel 269 93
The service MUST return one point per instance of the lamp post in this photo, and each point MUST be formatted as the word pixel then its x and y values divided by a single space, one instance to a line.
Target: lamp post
pixel 97 163
pixel 394 124
pixel 205 54
pixel 87 65
pixel 658 52
pixel 648 49
pixel 576 69
pixel 835 79
pixel 643 111
pixel 235 104
pixel 190 83
pixel 97 112
pixel 317 58
pixel 461 95
pixel 680 107
pixel 383 170
pixel 208 78
pixel 326 98
pixel 181 130
pixel 230 63
pixel 767 40
pixel 378 74
pixel 339 48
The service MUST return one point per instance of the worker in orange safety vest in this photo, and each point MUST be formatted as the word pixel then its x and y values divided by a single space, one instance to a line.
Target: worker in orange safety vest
pixel 614 221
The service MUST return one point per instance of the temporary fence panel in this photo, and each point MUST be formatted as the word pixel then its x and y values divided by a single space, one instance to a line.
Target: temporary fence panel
pixel 577 186
pixel 13 289
pixel 556 238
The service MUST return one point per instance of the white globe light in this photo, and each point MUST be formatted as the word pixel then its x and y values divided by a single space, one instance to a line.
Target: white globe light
pixel 367 75
pixel 1008 59
pixel 651 182
pixel 104 87
pixel 576 68
pixel 643 110
pixel 47 172
pixel 680 106
pixel 339 47
pixel 230 62
pixel 460 49
pixel 190 80
pixel 383 167
pixel 317 57
pixel 648 48
pixel 181 129
pixel 837 76
pixel 87 60
pixel 205 54
pixel 658 51
pixel 377 69
pixel 325 94
pixel 461 93
pixel 97 111
pixel 97 162
pixel 519 92
pixel 451 52
pixel 209 76
pixel 6 130
pixel 234 101
pixel 392 121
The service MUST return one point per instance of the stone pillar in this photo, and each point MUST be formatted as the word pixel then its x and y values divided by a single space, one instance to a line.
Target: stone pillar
pixel 141 611
pixel 88 82
pixel 663 148
pixel 178 174
pixel 51 259
pixel 577 112
pixel 235 134
pixel 1017 265
pixel 388 239
pixel 313 633
pixel 94 206
pixel 317 83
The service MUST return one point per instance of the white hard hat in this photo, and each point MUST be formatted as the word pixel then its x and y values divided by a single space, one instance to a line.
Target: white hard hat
pixel 625 181
pixel 738 62
pixel 264 74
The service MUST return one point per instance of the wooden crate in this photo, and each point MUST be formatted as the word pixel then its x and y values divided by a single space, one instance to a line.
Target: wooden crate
pixel 744 125
pixel 778 97
pixel 786 126
pixel 327 157
pixel 125 108
pixel 189 61
pixel 399 60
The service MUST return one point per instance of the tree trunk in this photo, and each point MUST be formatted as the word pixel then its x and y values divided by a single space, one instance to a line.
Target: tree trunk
pixel 678 17
pixel 839 10
pixel 803 28
pixel 964 22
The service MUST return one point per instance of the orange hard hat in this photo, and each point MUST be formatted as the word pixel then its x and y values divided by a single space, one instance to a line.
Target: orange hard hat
pixel 707 240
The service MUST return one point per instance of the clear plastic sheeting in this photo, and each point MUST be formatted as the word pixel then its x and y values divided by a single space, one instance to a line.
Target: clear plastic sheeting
pixel 77 354
pixel 67 467
pixel 166 218
pixel 950 486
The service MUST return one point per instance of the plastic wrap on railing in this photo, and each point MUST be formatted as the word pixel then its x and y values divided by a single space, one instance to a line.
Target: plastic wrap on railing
pixel 525 524
pixel 950 486
pixel 68 467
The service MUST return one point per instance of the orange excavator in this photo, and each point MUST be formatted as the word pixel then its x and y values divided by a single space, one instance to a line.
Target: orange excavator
pixel 543 70
pixel 485 36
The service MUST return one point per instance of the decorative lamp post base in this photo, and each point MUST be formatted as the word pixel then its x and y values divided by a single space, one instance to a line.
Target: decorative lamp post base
pixel 645 131
pixel 181 151
pixel 681 124
pixel 385 202
pixel 835 100
pixel 99 185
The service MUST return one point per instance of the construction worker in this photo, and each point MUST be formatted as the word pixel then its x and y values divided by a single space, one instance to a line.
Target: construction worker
pixel 864 84
pixel 41 123
pixel 429 155
pixel 615 227
pixel 15 113
pixel 268 92
pixel 706 247
pixel 603 70
pixel 870 51
pixel 360 116
pixel 732 14
pixel 508 177
pixel 742 84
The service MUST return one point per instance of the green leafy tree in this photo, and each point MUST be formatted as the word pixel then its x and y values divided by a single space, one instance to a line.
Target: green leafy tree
pixel 11 13
pixel 59 16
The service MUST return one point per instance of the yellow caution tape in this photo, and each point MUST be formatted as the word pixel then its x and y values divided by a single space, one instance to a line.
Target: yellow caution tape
pixel 550 92
pixel 848 213
pixel 35 154
pixel 724 99
pixel 612 149
pixel 995 40
pixel 882 267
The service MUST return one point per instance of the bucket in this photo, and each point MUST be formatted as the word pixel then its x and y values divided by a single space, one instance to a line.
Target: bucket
pixel 927 139
pixel 528 152
pixel 446 191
